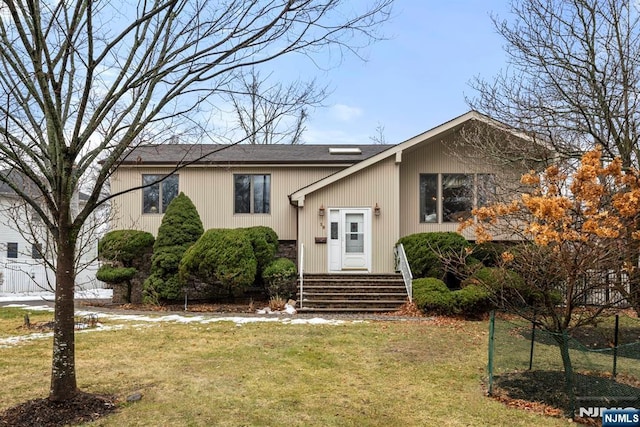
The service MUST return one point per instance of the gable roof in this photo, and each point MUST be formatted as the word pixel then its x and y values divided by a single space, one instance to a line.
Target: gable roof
pixel 297 197
pixel 247 154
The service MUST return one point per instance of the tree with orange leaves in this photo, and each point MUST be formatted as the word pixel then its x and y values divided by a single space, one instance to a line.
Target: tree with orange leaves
pixel 576 232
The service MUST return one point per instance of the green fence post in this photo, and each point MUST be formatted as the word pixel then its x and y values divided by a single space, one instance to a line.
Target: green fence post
pixel 492 321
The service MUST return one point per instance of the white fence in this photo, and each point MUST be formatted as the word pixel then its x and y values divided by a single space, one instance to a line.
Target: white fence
pixel 25 275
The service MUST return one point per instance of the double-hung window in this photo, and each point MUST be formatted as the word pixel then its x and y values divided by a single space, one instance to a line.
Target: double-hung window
pixel 12 250
pixel 252 193
pixel 156 197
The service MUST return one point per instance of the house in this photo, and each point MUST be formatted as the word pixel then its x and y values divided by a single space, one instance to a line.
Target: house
pixel 25 247
pixel 342 208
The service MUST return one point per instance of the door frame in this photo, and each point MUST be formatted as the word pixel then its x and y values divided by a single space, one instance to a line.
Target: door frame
pixel 335 260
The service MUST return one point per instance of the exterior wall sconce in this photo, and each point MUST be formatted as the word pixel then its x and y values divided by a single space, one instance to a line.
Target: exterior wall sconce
pixel 376 210
pixel 321 210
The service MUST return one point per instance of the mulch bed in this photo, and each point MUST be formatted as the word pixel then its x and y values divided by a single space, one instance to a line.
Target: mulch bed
pixel 84 407
pixel 539 391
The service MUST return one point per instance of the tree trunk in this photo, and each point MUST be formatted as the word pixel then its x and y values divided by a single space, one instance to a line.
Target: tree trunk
pixel 63 367
pixel 563 343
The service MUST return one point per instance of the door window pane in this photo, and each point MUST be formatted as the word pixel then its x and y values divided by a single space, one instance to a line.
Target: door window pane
pixel 354 238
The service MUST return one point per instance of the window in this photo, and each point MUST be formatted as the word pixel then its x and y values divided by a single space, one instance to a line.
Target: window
pixel 252 193
pixel 455 195
pixel 36 251
pixel 428 198
pixel 157 197
pixel 486 189
pixel 12 250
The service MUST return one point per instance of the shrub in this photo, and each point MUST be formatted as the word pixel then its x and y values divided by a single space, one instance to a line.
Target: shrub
pixel 223 258
pixel 265 246
pixel 504 286
pixel 126 253
pixel 425 249
pixel 180 228
pixel 473 300
pixel 124 246
pixel 431 294
pixel 280 278
pixel 115 275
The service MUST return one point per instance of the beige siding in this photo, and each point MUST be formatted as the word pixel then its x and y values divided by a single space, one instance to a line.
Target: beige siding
pixel 211 191
pixel 376 184
pixel 433 157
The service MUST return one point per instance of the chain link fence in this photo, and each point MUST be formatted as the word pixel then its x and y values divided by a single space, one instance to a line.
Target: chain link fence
pixel 526 363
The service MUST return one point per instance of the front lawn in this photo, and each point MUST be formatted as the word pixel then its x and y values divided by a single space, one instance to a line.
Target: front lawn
pixel 391 373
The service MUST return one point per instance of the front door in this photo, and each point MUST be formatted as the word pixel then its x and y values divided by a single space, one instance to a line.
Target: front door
pixel 349 240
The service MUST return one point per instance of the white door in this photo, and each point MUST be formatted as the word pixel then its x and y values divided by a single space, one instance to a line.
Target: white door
pixel 349 240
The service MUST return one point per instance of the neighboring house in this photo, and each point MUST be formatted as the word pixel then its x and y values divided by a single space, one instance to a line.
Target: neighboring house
pixel 344 206
pixel 25 246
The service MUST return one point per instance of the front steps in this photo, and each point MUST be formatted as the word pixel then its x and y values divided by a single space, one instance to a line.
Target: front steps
pixel 352 293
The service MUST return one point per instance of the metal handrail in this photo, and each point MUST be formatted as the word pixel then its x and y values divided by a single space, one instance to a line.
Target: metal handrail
pixel 301 271
pixel 402 265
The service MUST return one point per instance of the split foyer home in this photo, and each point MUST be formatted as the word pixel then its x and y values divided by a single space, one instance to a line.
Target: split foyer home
pixel 340 208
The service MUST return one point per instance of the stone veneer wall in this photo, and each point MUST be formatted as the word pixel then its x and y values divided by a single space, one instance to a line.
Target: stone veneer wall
pixel 288 249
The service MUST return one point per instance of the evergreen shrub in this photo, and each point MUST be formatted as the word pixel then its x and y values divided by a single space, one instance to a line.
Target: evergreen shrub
pixel 181 227
pixel 280 278
pixel 223 259
pixel 424 251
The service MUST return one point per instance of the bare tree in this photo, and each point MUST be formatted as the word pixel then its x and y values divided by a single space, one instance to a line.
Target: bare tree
pixel 271 113
pixel 85 80
pixel 379 137
pixel 573 83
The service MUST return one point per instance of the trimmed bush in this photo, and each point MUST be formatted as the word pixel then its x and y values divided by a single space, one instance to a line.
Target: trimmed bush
pixel 181 227
pixel 433 295
pixel 425 249
pixel 222 258
pixel 126 254
pixel 115 275
pixel 265 246
pixel 280 278
pixel 124 246
pixel 473 301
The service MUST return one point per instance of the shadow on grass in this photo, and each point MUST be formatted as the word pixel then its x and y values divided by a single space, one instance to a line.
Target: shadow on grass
pixel 547 387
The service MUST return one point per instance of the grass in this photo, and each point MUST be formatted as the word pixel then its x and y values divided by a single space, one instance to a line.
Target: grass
pixel 263 374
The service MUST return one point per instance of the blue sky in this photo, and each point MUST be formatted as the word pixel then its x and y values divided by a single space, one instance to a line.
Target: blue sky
pixel 416 80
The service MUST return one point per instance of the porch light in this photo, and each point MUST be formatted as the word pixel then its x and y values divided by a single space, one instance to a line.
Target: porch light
pixel 376 210
pixel 321 210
